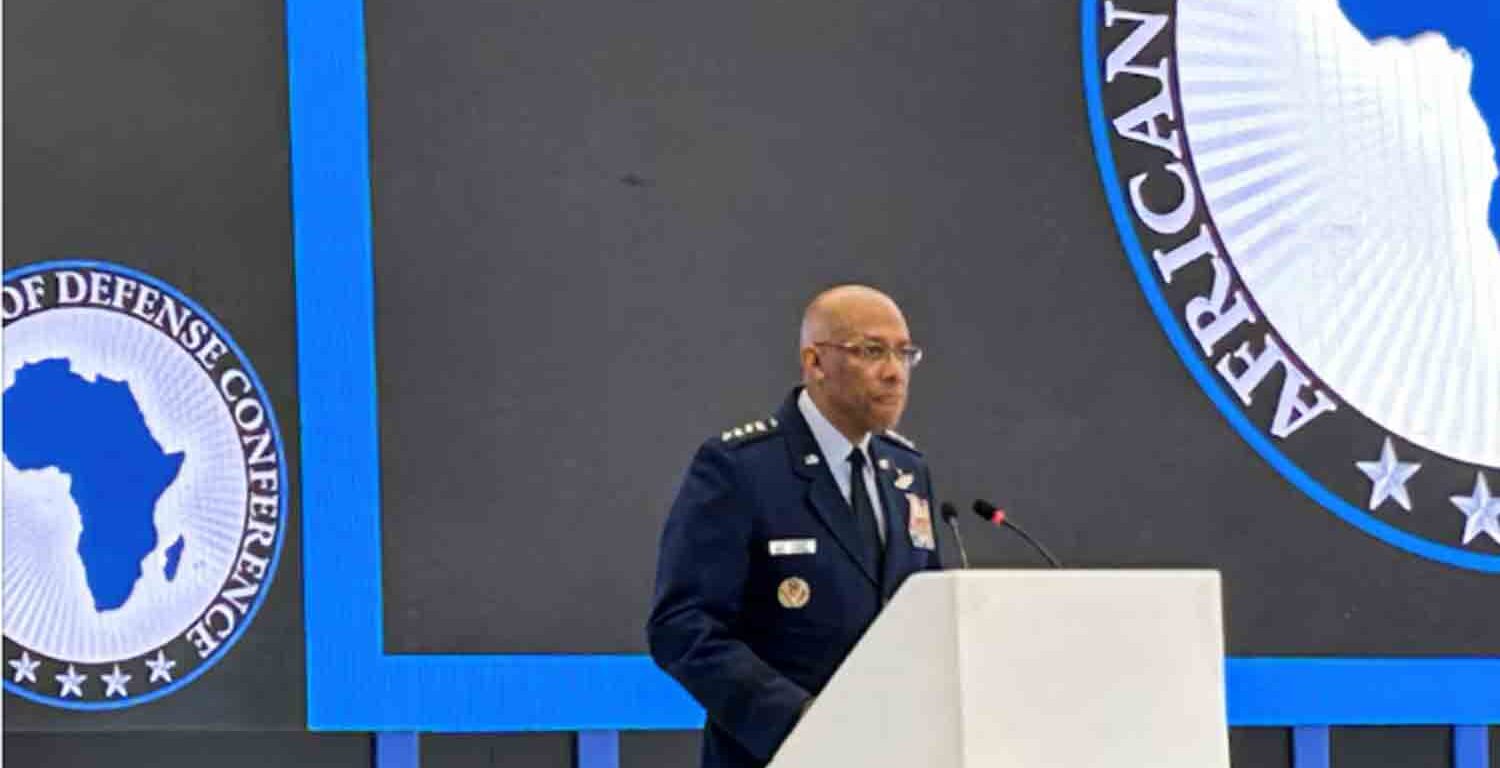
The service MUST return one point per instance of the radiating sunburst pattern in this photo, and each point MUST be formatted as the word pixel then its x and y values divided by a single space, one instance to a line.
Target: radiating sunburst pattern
pixel 1350 182
pixel 48 607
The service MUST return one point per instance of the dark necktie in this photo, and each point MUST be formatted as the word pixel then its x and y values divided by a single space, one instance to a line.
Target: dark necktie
pixel 864 512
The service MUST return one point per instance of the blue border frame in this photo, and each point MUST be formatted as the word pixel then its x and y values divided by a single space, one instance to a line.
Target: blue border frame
pixel 1306 691
pixel 352 684
pixel 265 586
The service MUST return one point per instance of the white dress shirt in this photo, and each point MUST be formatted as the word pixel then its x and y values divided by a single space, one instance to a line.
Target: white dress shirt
pixel 835 448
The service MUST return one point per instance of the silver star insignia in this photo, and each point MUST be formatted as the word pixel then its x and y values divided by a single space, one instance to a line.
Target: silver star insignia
pixel 25 667
pixel 114 682
pixel 1482 509
pixel 161 668
pixel 72 681
pixel 1388 477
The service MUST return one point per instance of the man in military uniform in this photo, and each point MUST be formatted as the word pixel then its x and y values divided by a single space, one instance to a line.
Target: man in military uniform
pixel 790 533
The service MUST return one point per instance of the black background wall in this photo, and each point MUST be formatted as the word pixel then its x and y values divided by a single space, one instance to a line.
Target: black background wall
pixel 595 225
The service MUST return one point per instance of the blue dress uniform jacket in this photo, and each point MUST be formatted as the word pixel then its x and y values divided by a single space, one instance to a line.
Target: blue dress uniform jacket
pixel 729 620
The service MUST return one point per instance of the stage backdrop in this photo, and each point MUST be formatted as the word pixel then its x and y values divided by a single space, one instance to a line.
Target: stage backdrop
pixel 595 226
pixel 577 243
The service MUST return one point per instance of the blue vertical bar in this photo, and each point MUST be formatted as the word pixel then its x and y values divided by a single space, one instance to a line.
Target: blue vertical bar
pixel 598 749
pixel 335 355
pixel 1471 746
pixel 1310 746
pixel 397 750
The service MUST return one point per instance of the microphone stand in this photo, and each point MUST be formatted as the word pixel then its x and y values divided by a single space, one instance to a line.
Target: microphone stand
pixel 950 515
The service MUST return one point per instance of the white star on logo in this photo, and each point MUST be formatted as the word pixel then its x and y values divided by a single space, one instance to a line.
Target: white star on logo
pixel 1388 477
pixel 161 668
pixel 71 682
pixel 1482 509
pixel 25 667
pixel 114 683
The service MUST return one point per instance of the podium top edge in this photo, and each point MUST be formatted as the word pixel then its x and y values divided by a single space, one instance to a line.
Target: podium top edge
pixel 1074 573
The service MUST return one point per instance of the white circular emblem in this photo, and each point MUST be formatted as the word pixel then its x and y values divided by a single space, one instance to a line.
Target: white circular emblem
pixel 144 487
pixel 1353 201
pixel 1307 192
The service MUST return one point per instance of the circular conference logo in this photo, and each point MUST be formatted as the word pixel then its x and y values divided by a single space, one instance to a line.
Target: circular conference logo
pixel 144 487
pixel 1306 190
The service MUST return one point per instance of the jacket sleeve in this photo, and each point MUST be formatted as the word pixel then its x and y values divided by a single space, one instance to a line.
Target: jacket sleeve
pixel 694 627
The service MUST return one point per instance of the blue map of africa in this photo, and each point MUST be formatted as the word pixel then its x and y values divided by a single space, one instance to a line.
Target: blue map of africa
pixel 1473 25
pixel 94 432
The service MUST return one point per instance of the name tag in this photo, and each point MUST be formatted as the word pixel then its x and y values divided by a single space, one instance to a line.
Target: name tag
pixel 793 547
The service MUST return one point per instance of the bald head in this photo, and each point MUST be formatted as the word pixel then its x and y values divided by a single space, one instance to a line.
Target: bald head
pixel 835 313
pixel 858 393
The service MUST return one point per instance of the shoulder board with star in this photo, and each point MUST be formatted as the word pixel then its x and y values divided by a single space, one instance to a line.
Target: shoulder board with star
pixel 749 432
pixel 901 440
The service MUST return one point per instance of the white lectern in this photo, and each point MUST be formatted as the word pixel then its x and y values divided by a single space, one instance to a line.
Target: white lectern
pixel 1024 669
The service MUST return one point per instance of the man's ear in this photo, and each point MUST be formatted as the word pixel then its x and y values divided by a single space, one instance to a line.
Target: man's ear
pixel 812 363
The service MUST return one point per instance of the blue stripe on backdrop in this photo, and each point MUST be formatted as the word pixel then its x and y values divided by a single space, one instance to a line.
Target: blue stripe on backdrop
pixel 1471 746
pixel 1310 747
pixel 352 684
pixel 1361 691
pixel 598 749
pixel 397 750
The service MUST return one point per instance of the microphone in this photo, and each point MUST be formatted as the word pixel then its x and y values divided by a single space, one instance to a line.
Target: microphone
pixel 996 516
pixel 950 515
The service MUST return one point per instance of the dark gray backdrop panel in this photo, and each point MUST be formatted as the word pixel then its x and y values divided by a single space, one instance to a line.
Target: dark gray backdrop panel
pixel 512 750
pixel 188 750
pixel 659 749
pixel 1406 747
pixel 595 226
pixel 596 223
pixel 1260 747
pixel 153 134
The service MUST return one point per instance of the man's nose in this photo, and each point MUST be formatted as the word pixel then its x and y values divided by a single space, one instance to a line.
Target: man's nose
pixel 893 368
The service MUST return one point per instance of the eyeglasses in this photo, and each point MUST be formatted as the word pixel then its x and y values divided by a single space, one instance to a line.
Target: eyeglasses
pixel 875 353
